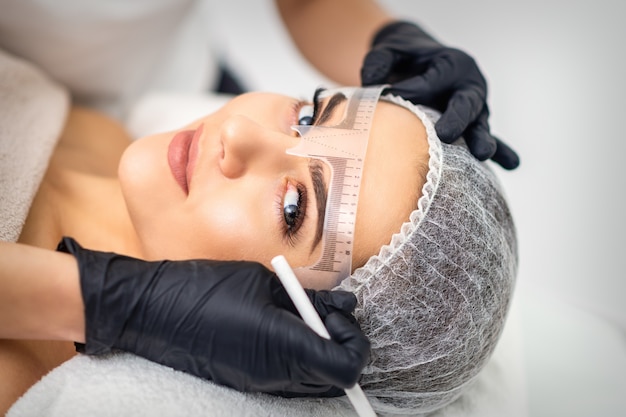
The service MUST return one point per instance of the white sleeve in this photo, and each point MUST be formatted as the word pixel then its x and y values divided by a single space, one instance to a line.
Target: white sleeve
pixel 109 53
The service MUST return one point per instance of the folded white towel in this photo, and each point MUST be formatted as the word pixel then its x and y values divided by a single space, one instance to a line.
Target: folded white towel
pixel 32 114
pixel 127 385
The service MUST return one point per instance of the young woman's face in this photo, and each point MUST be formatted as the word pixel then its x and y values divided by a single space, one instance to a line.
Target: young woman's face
pixel 224 188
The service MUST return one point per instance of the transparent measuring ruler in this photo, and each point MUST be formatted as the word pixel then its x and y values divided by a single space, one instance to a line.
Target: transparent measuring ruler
pixel 343 147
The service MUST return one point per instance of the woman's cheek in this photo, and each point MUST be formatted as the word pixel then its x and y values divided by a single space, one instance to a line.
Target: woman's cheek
pixel 149 189
pixel 237 230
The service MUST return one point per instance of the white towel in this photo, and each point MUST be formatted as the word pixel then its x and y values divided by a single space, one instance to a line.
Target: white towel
pixel 123 384
pixel 126 385
pixel 32 114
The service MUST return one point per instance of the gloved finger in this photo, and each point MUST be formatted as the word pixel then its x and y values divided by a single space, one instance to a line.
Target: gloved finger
pixel 480 141
pixel 429 86
pixel 506 157
pixel 343 359
pixel 464 108
pixel 326 302
pixel 377 66
pixel 281 297
pixel 310 390
pixel 478 138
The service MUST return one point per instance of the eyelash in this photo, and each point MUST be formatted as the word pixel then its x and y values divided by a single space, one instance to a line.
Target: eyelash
pixel 300 104
pixel 292 233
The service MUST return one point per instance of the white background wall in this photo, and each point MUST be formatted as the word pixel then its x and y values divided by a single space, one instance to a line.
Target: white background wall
pixel 556 73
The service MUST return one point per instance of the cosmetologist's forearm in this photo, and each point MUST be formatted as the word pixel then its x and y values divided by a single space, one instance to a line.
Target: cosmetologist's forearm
pixel 333 35
pixel 40 295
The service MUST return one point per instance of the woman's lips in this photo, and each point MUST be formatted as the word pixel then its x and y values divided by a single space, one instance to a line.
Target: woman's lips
pixel 181 156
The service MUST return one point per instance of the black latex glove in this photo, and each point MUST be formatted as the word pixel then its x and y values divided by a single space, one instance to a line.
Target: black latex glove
pixel 230 322
pixel 423 71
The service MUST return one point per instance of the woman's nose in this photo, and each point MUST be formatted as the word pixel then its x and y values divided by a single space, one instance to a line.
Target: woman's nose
pixel 249 146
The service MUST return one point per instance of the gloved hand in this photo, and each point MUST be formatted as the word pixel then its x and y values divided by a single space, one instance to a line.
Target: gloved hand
pixel 230 322
pixel 423 71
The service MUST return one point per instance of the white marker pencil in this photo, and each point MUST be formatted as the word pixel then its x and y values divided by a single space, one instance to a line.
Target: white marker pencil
pixel 309 315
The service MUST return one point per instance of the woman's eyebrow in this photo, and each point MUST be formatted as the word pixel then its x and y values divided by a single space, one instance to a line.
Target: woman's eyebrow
pixel 319 188
pixel 333 102
pixel 317 171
